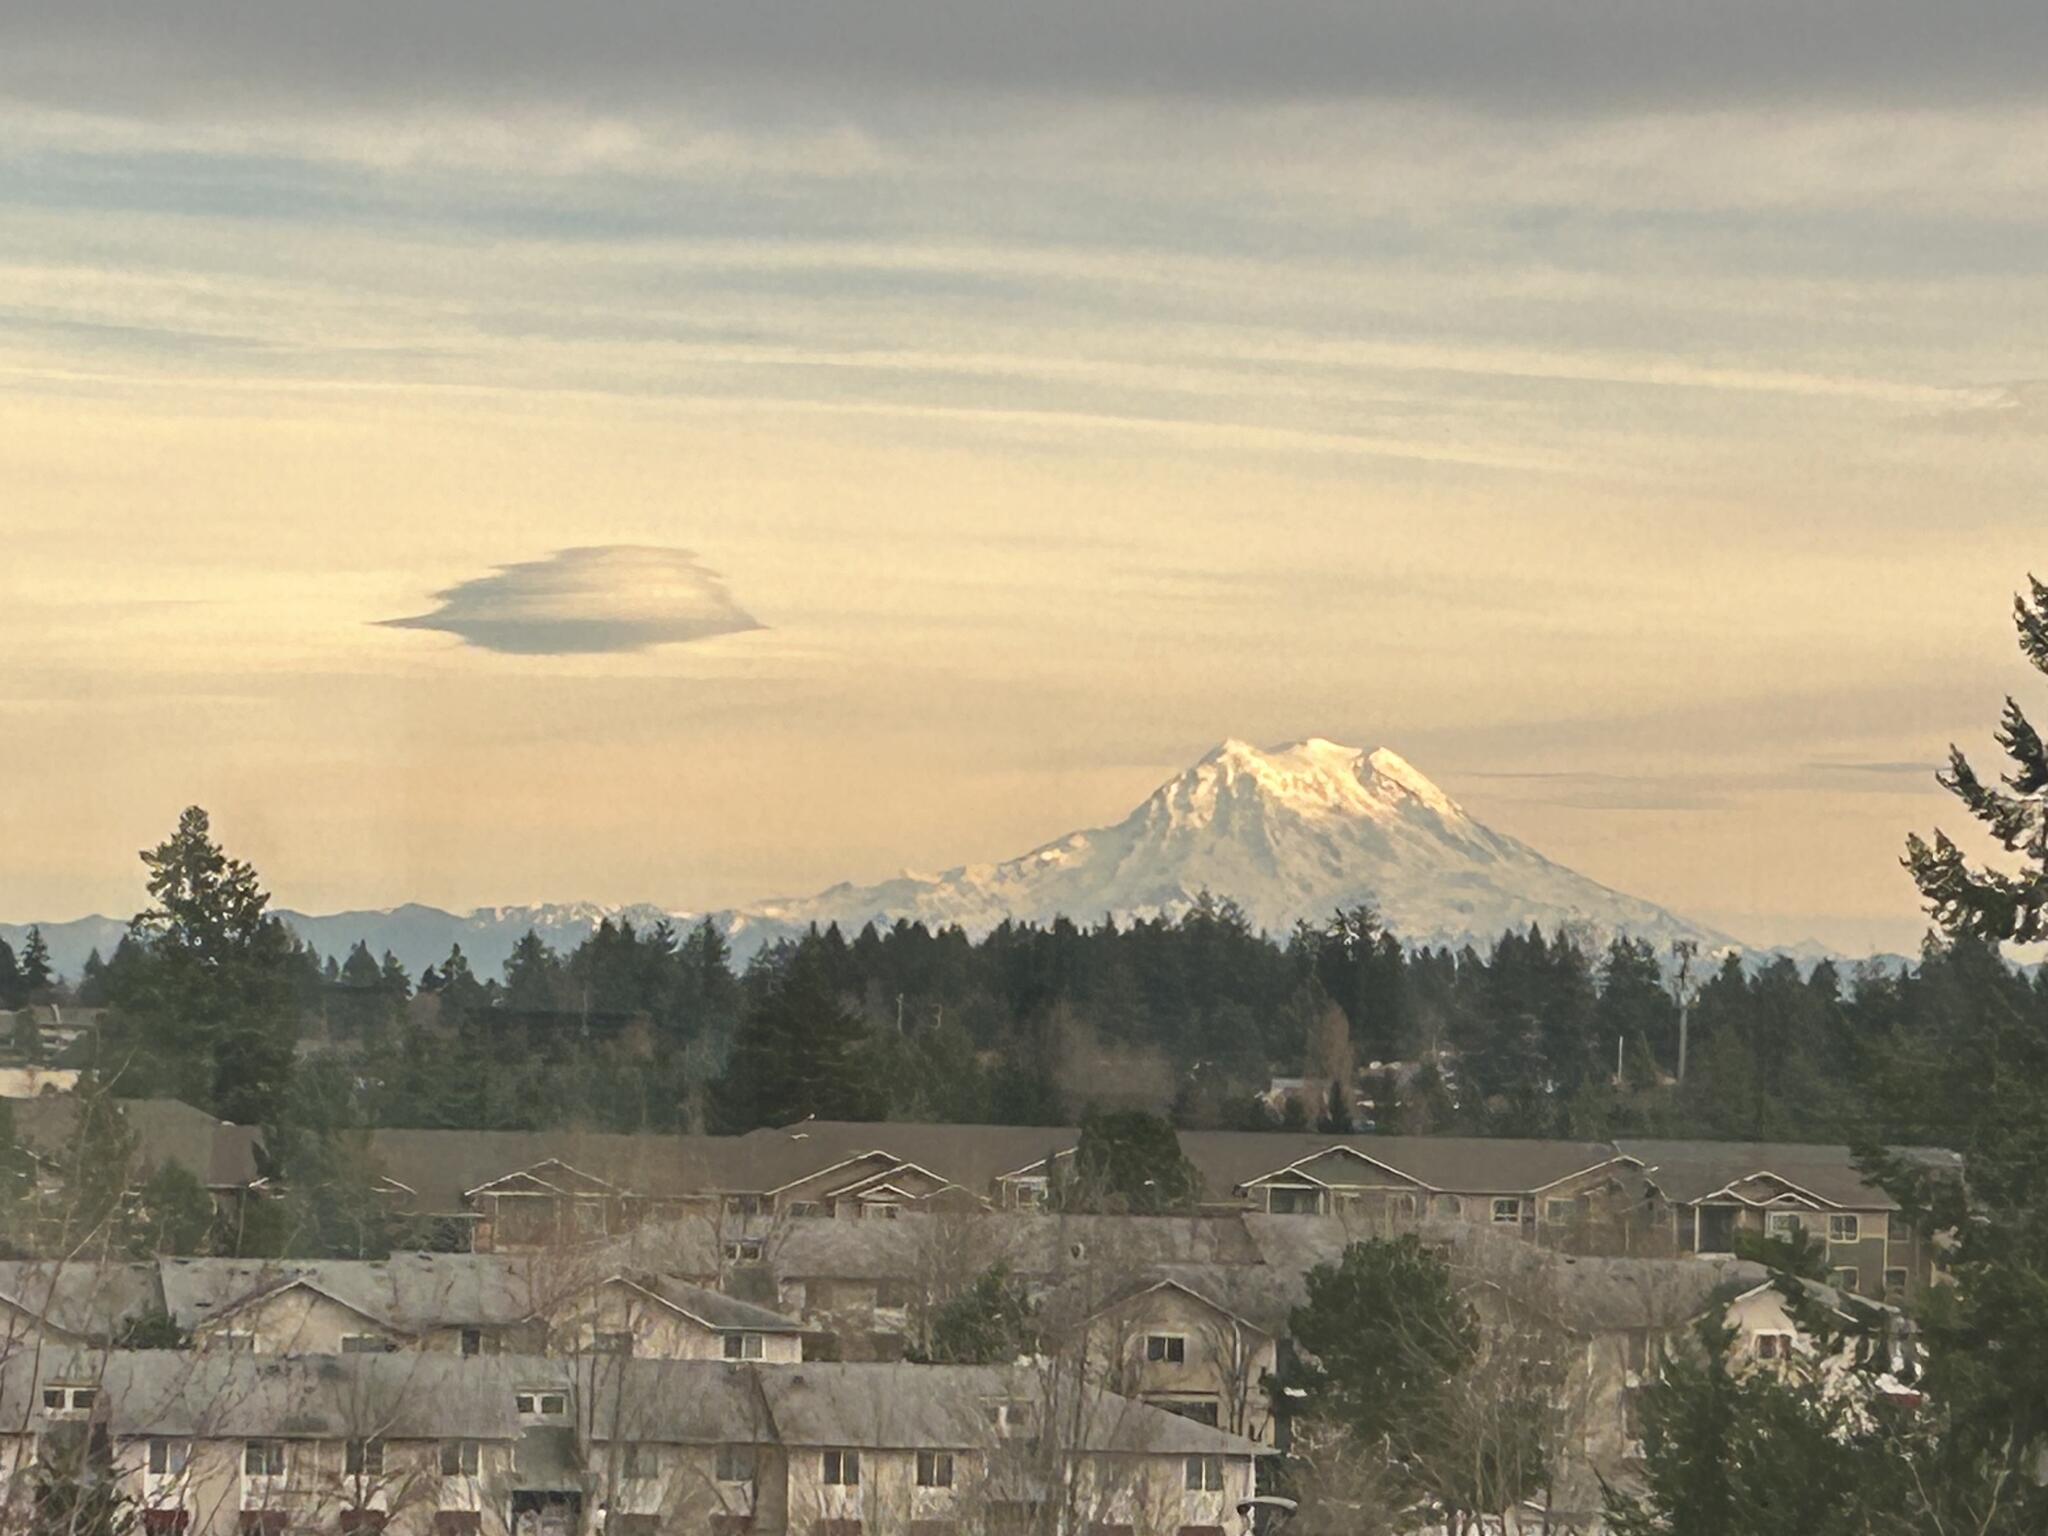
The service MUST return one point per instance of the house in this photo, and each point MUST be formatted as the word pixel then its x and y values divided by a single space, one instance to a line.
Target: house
pixel 221 1443
pixel 657 1317
pixel 1564 1192
pixel 237 1443
pixel 50 1302
pixel 1710 1191
pixel 470 1304
pixel 935 1450
pixel 1188 1342
pixel 222 1156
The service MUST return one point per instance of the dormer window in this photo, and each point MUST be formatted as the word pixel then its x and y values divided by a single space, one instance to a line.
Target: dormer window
pixel 69 1402
pixel 745 1346
pixel 540 1405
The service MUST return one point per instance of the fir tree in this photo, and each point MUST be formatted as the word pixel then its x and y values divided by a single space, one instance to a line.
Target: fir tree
pixel 37 976
pixel 1988 903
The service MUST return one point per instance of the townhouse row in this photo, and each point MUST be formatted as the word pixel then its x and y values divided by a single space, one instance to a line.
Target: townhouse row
pixel 224 1444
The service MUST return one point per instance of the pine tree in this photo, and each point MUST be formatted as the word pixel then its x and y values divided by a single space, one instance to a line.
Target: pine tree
pixel 37 976
pixel 12 992
pixel 1988 903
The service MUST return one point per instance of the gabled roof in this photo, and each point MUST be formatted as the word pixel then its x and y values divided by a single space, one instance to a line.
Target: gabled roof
pixel 1691 1171
pixel 1480 1165
pixel 712 1309
pixel 79 1299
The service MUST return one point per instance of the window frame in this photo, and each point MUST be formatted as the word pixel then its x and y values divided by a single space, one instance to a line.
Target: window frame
pixel 839 1468
pixel 732 1457
pixel 1773 1344
pixel 173 1451
pixel 1166 1349
pixel 467 1456
pixel 1784 1225
pixel 363 1457
pixel 935 1469
pixel 1513 1207
pixel 1570 1216
pixel 1850 1219
pixel 735 1346
pixel 270 1452
pixel 1204 1474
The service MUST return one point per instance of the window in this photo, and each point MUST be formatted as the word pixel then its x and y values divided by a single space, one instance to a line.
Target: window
pixel 263 1458
pixel 350 1521
pixel 1636 1358
pixel 165 1522
pixel 746 1250
pixel 744 1346
pixel 364 1458
pixel 1166 1348
pixel 540 1405
pixel 743 1205
pixel 1202 1410
pixel 1030 1194
pixel 461 1458
pixel 167 1457
pixel 1895 1282
pixel 365 1344
pixel 472 1341
pixel 842 1469
pixel 1449 1205
pixel 1205 1474
pixel 934 1469
pixel 1507 1212
pixel 1560 1212
pixel 806 1208
pixel 892 1293
pixel 69 1400
pixel 1844 1228
pixel 735 1463
pixel 1845 1280
pixel 1292 1201
pixel 457 1522
pixel 611 1343
pixel 1774 1346
pixel 637 1461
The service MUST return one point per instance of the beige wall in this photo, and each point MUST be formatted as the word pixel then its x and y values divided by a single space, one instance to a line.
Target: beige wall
pixel 1225 1361
pixel 316 1487
pixel 294 1321
pixel 659 1331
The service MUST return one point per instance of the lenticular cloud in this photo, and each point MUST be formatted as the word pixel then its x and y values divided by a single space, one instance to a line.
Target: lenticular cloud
pixel 588 601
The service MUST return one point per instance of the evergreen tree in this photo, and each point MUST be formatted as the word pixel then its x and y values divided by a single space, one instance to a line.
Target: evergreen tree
pixel 37 975
pixel 1382 1331
pixel 1128 1161
pixel 798 1051
pixel 206 1005
pixel 13 992
pixel 1988 903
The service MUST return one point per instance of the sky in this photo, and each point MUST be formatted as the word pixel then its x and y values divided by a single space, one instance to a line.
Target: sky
pixel 498 452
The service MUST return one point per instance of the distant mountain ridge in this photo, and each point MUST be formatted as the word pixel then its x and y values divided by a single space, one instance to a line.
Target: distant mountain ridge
pixel 1288 832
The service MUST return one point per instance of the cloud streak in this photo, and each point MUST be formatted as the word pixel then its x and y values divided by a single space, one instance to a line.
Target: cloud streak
pixel 592 600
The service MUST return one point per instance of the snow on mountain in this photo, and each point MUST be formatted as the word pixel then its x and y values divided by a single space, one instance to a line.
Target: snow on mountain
pixel 1292 832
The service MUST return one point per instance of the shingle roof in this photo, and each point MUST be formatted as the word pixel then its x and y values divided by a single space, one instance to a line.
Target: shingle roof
pixel 1032 1245
pixel 1693 1170
pixel 84 1299
pixel 1227 1160
pixel 219 1153
pixel 236 1395
pixel 715 1309
pixel 905 1406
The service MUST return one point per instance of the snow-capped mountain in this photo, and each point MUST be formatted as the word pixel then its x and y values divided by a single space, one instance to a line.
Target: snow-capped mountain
pixel 1291 832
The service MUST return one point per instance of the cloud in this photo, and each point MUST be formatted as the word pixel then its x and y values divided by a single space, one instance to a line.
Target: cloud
pixel 596 599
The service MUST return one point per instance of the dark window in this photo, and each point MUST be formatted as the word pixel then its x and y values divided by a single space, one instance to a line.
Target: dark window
pixel 263 1458
pixel 1205 1474
pixel 1169 1348
pixel 461 1458
pixel 364 1458
pixel 842 1469
pixel 472 1341
pixel 735 1463
pixel 457 1522
pixel 934 1469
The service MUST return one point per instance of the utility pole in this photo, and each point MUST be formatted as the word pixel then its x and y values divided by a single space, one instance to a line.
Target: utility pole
pixel 1684 949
